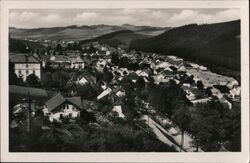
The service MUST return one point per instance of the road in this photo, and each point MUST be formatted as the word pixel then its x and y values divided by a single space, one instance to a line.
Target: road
pixel 153 125
pixel 170 137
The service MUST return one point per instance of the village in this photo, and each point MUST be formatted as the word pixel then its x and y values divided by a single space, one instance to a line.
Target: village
pixel 99 84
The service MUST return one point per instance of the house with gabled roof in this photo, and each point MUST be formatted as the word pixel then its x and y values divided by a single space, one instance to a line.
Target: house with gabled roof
pixel 85 78
pixel 117 107
pixel 76 62
pixel 59 107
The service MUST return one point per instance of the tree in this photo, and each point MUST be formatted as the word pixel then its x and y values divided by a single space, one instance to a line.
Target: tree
pixel 60 78
pixel 107 75
pixel 32 80
pixel 86 91
pixel 69 46
pixel 12 75
pixel 140 83
pixel 166 97
pixel 181 116
pixel 115 58
pixel 59 47
pixel 200 85
pixel 47 80
pixel 208 125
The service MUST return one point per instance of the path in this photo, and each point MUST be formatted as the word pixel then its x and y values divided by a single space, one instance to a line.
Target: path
pixel 172 136
pixel 153 125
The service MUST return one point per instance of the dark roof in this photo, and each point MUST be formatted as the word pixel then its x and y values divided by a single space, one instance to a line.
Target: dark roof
pixel 76 101
pixel 23 58
pixel 60 58
pixel 58 100
pixel 89 77
pixel 55 101
pixel 118 102
pixel 14 89
pixel 101 52
pixel 45 57
pixel 195 91
pixel 132 76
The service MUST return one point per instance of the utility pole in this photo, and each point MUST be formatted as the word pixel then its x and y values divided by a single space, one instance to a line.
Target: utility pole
pixel 28 115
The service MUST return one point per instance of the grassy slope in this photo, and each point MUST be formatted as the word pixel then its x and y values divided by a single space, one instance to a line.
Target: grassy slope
pixel 63 33
pixel 213 44
pixel 80 32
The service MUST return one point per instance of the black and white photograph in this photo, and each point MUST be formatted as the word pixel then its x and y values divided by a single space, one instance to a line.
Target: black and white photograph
pixel 126 80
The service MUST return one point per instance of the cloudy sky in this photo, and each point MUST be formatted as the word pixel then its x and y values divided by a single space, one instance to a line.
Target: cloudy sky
pixel 34 18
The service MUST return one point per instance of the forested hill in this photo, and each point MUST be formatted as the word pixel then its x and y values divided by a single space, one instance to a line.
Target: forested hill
pixel 114 39
pixel 210 44
pixel 20 46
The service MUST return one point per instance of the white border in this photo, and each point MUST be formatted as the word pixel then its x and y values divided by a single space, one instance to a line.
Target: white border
pixel 234 157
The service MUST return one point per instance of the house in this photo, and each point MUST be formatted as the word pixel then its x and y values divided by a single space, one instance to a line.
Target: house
pixel 106 92
pixel 215 91
pixel 59 61
pixel 167 72
pixel 59 107
pixel 160 78
pixel 117 107
pixel 101 63
pixel 224 101
pixel 86 78
pixel 162 65
pixel 235 92
pixel 76 62
pixel 25 64
pixel 193 93
pixel 199 101
pixel 144 73
pixel 120 93
pixel 232 84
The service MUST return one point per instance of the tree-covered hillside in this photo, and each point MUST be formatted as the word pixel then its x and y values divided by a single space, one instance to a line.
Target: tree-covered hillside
pixel 210 44
pixel 23 46
pixel 114 39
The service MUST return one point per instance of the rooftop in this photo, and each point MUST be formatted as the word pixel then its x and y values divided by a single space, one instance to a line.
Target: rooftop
pixel 23 58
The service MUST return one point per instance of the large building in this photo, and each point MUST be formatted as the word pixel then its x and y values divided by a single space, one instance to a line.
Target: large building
pixel 25 65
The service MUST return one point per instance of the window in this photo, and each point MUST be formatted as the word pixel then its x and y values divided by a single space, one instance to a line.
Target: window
pixel 27 72
pixel 70 115
pixel 33 71
pixel 27 66
pixel 20 72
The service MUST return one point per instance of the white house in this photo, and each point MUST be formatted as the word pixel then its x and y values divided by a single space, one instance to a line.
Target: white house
pixel 86 78
pixel 59 107
pixel 24 65
pixel 235 92
pixel 118 109
pixel 76 62
pixel 104 93
pixel 162 65
pixel 232 83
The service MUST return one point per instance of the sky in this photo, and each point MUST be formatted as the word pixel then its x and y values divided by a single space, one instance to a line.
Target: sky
pixel 37 18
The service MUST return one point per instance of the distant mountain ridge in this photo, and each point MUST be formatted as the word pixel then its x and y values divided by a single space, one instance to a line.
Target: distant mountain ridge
pixel 80 32
pixel 210 44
